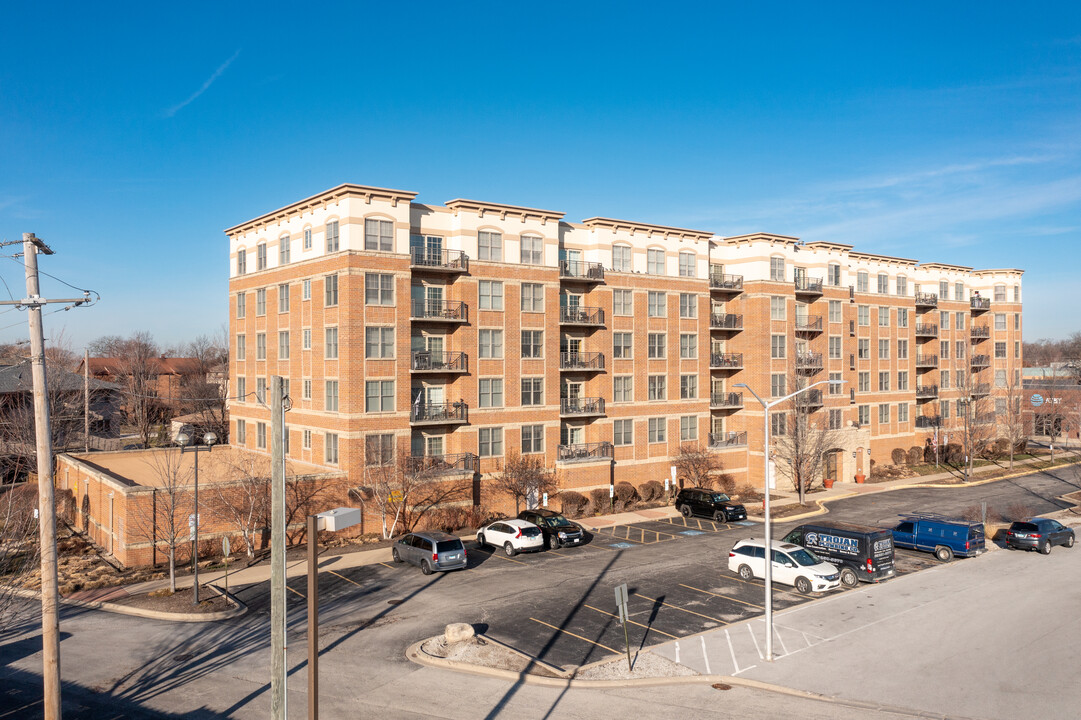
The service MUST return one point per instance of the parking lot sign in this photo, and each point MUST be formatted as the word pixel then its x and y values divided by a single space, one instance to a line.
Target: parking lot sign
pixel 621 607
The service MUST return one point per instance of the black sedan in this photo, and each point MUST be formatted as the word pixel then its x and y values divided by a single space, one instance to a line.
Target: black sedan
pixel 558 530
pixel 1039 534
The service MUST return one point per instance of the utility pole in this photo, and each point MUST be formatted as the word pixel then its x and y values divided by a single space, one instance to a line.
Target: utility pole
pixel 278 642
pixel 86 399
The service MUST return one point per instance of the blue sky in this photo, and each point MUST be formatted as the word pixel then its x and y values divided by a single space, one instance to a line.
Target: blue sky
pixel 132 134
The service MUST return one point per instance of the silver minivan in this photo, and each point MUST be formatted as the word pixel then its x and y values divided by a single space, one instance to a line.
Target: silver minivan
pixel 431 550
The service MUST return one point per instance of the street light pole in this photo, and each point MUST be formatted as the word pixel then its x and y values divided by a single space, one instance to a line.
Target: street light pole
pixel 184 440
pixel 766 406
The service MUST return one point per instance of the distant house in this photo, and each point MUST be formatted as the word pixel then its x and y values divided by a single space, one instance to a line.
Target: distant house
pixel 169 376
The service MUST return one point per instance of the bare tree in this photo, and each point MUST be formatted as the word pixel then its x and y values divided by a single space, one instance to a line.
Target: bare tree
pixel 18 545
pixel 800 451
pixel 974 417
pixel 136 361
pixel 404 492
pixel 162 518
pixel 698 467
pixel 203 396
pixel 525 478
pixel 241 499
pixel 1012 419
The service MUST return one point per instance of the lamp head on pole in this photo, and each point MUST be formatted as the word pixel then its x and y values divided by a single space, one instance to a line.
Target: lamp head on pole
pixel 183 439
pixel 210 439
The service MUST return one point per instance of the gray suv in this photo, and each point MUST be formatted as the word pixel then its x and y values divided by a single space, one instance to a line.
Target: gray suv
pixel 432 551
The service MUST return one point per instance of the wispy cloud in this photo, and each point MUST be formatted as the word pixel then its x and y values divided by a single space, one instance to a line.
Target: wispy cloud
pixel 205 86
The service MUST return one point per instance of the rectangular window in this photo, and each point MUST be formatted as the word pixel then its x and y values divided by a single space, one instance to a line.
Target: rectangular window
pixel 491 392
pixel 332 237
pixel 944 290
pixel 306 390
pixel 260 346
pixel 658 304
pixel 331 396
pixel 686 264
pixel 284 249
pixel 307 439
pixel 883 414
pixel 621 345
pixel 959 291
pixel 657 430
pixel 776 308
pixel 959 349
pixel 260 435
pixel 532 438
pixel 944 320
pixel 835 348
pixel 884 349
pixel 1000 293
pixel 241 262
pixel 902 317
pixel 863 349
pixel 623 432
pixel 656 345
pixel 623 301
pixel 835 311
pixel 532 343
pixel 959 320
pixel 378 450
pixel 777 425
pixel 864 382
pixel 883 381
pixel 863 315
pixel 883 317
pixel 1017 349
pixel 532 391
pixel 836 388
pixel 655 262
pixel 623 388
pixel 241 347
pixel 242 389
pixel 945 408
pixel 658 387
pixel 283 298
pixel 378 396
pixel 260 256
pixel 1000 321
pixel 490 246
pixel 688 305
pixel 491 295
pixel 833 275
pixel 1017 321
pixel 902 349
pixel 330 343
pixel 902 412
pixel 688 387
pixel 378 342
pixel 241 305
pixel 1000 378
pixel 621 258
pixel 861 281
pixel 902 285
pixel 864 414
pixel 532 250
pixel 688 346
pixel 777 385
pixel 777 346
pixel 330 290
pixel 307 238
pixel 260 302
pixel 532 297
pixel 491 343
pixel 306 339
pixel 883 284
pixel 242 432
pixel 306 290
pixel 944 379
pixel 776 269
pixel 1000 350
pixel 688 428
pixel 490 442
pixel 836 419
pixel 283 345
pixel 260 390
pixel 944 349
pixel 330 451
pixel 902 380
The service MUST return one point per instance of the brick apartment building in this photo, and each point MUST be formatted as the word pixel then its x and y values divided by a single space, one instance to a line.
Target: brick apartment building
pixel 457 334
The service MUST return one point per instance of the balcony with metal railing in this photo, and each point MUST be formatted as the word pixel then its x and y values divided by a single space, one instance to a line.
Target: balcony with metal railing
pixel 442 311
pixel 980 361
pixel 984 418
pixel 726 401
pixel 725 361
pixel 431 361
pixel 724 283
pixel 926 300
pixel 927 362
pixel 809 362
pixel 442 464
pixel 979 332
pixel 439 413
pixel 581 407
pixel 584 361
pixel 720 441
pixel 808 286
pixel 725 321
pixel 926 392
pixel 979 305
pixel 581 271
pixel 433 260
pixel 585 452
pixel 923 330
pixel 928 421
pixel 980 390
pixel 809 324
pixel 582 316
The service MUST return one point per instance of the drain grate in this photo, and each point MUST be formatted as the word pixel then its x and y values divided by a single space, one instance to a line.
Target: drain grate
pixel 395 602
pixel 720 686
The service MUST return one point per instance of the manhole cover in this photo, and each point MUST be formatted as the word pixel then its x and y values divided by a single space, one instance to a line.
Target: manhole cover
pixel 720 686
pixel 395 602
pixel 184 657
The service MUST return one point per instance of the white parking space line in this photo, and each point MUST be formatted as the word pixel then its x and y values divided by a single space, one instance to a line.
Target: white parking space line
pixel 756 647
pixel 732 652
pixel 705 655
pixel 777 633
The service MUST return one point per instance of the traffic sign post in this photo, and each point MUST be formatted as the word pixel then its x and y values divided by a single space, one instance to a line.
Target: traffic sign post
pixel 621 609
pixel 225 558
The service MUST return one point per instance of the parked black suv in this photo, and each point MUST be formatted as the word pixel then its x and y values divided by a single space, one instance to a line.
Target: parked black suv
pixel 558 530
pixel 717 505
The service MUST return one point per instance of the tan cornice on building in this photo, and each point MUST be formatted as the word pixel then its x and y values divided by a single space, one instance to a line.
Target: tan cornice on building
pixel 503 211
pixel 666 231
pixel 321 200
pixel 944 266
pixel 888 259
pixel 1008 271
pixel 761 236
pixel 827 245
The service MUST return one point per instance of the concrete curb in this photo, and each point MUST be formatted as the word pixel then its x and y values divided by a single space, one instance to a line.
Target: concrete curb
pixel 238 609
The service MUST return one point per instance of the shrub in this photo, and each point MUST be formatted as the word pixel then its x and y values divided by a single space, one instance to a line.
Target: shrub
pixel 898 456
pixel 1001 447
pixel 725 482
pixel 598 498
pixel 974 513
pixel 1017 511
pixel 651 490
pixel 954 453
pixel 573 503
pixel 915 455
pixel 928 453
pixel 626 494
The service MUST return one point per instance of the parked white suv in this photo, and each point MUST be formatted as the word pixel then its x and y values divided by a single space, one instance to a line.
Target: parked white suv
pixel 792 565
pixel 513 535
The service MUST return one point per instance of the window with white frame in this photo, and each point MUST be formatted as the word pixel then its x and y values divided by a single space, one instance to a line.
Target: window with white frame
pixel 959 291
pixel 883 284
pixel 883 381
pixel 330 290
pixel 776 269
pixel 688 346
pixel 260 256
pixel 863 315
pixel 241 262
pixel 378 450
pixel 532 297
pixel 378 342
pixel 943 290
pixel 623 432
pixel 241 305
pixel 863 413
pixel 836 419
pixel 241 347
pixel 532 439
pixel 307 439
pixel 532 343
pixel 778 385
pixel 378 396
pixel 1000 321
pixel 835 311
pixel 307 238
pixel 835 386
pixel 1000 293
pixel 1000 378
pixel 863 381
pixel 1017 293
pixel 863 349
pixel 902 412
pixel 657 387
pixel 959 349
pixel 688 428
pixel 657 430
pixel 532 250
pixel 777 344
pixel 777 424
pixel 260 346
pixel 884 349
pixel 621 345
pixel 242 389
pixel 491 343
pixel 283 298
pixel 686 264
pixel 944 379
pixel 260 435
pixel 330 449
pixel 306 390
pixel 883 317
pixel 283 344
pixel 688 305
pixel 902 380
pixel 491 295
pixel 260 390
pixel 883 414
pixel 306 290
pixel 1000 350
pixel 621 258
pixel 623 302
pixel 490 442
pixel 332 236
pixel 902 285
pixel 835 347
pixel 306 339
pixel 260 302
pixel 330 343
pixel 623 388
pixel 862 281
pixel 378 235
pixel 688 387
pixel 330 398
pixel 833 275
pixel 656 345
pixel 491 392
pixel 657 304
pixel 284 249
pixel 655 262
pixel 490 246
pixel 532 391
pixel 959 320
pixel 777 307
pixel 902 317
pixel 944 320
pixel 944 349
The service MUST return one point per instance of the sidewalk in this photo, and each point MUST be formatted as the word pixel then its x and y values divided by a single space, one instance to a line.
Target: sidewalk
pixel 337 561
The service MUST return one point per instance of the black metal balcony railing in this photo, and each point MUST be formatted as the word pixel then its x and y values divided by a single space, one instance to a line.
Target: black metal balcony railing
pixel 984 418
pixel 457 412
pixel 979 332
pixel 436 362
pixel 433 259
pixel 810 323
pixel 809 399
pixel 581 316
pixel 980 304
pixel 581 361
pixel 581 406
pixel 727 439
pixel 808 361
pixel 442 464
pixel 926 392
pixel 980 389
pixel 581 270
pixel 447 310
pixel 928 421
pixel 926 299
pixel 810 286
pixel 585 451
pixel 725 321
pixel 981 360
pixel 727 283
pixel 725 400
pixel 926 330
pixel 726 361
pixel 927 361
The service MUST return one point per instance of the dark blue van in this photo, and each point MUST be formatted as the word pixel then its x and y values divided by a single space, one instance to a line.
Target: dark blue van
pixel 944 536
